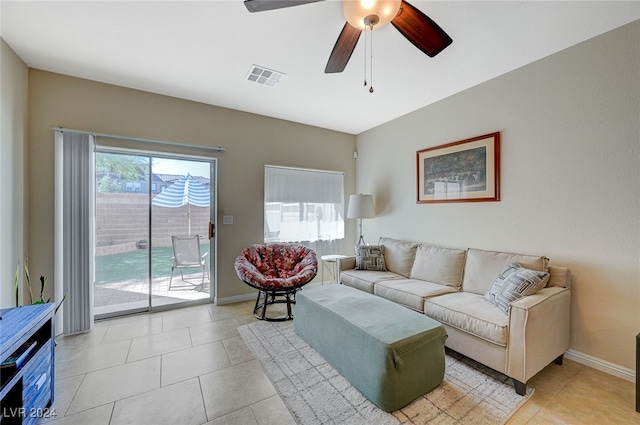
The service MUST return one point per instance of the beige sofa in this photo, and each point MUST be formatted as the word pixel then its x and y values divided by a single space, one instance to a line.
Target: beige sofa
pixel 449 285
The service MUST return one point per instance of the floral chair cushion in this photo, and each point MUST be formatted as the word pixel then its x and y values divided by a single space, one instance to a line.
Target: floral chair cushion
pixel 276 266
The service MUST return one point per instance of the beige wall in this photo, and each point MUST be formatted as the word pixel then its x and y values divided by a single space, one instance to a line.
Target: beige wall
pixel 13 169
pixel 570 171
pixel 570 179
pixel 251 141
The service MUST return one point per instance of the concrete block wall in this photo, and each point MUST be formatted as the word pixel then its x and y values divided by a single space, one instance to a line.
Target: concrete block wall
pixel 123 218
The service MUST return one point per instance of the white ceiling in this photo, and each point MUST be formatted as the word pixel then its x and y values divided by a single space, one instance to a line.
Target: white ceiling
pixel 202 51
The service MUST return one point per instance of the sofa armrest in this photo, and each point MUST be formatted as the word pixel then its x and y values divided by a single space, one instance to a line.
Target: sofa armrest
pixel 344 263
pixel 539 328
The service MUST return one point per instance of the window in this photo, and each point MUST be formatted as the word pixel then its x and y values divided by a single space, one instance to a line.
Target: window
pixel 303 205
pixel 133 187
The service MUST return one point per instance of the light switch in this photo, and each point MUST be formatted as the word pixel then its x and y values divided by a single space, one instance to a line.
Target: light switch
pixel 227 219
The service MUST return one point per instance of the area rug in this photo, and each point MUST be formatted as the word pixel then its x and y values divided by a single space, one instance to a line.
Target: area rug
pixel 316 393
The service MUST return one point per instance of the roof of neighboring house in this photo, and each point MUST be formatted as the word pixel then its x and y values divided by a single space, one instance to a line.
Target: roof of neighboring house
pixel 170 178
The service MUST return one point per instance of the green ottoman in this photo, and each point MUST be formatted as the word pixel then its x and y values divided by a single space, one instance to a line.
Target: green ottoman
pixel 391 354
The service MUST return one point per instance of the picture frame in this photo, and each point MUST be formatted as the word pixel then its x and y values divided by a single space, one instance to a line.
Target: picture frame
pixel 463 171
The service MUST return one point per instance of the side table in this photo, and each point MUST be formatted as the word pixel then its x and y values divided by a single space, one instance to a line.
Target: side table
pixel 329 262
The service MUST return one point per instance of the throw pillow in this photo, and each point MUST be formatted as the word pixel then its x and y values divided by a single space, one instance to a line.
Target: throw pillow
pixel 370 257
pixel 513 283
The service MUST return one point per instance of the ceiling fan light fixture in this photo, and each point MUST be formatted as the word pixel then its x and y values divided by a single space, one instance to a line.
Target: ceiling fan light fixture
pixel 359 12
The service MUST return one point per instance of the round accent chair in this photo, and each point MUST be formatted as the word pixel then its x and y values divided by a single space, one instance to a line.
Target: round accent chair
pixel 278 271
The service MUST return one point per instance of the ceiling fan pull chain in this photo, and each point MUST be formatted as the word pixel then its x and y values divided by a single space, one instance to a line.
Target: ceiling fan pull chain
pixel 371 61
pixel 365 58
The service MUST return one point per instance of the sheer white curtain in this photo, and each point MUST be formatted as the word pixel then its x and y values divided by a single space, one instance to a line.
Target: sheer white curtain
pixel 74 228
pixel 304 206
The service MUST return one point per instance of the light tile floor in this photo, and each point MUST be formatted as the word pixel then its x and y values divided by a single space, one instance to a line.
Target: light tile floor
pixel 191 366
pixel 185 366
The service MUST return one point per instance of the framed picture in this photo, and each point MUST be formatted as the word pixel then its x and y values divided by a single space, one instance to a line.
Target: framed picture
pixel 464 171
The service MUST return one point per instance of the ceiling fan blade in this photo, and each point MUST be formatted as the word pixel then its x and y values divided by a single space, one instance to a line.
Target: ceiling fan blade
pixel 343 49
pixel 420 30
pixel 263 5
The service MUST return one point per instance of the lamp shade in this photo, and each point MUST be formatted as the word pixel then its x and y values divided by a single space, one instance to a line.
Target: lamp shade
pixel 360 206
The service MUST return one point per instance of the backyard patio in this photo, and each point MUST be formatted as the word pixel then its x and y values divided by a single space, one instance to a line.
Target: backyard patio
pixel 122 281
pixel 134 255
pixel 132 294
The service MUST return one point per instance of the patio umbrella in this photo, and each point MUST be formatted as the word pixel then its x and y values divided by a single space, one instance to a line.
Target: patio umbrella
pixel 186 190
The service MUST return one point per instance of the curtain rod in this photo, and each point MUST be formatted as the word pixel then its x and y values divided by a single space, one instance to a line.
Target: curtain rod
pixel 138 139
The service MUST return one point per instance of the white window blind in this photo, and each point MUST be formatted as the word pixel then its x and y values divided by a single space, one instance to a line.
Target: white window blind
pixel 305 206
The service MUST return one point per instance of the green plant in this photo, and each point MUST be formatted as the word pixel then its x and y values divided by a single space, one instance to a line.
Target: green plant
pixel 43 285
pixel 15 282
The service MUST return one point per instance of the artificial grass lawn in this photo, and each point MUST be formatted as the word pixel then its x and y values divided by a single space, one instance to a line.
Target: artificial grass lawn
pixel 134 265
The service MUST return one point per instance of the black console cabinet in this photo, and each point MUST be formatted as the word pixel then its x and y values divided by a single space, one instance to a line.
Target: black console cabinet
pixel 27 363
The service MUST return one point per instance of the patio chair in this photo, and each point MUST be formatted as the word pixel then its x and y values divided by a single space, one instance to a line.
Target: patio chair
pixel 186 255
pixel 276 270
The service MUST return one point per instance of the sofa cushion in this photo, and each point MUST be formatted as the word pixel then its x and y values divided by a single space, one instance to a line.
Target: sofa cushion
pixel 559 276
pixel 439 265
pixel 482 267
pixel 410 292
pixel 365 279
pixel 513 283
pixel 470 313
pixel 370 257
pixel 398 255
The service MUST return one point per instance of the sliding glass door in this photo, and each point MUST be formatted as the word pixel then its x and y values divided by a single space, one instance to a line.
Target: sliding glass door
pixel 181 210
pixel 153 219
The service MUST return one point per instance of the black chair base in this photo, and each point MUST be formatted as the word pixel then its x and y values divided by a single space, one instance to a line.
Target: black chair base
pixel 288 298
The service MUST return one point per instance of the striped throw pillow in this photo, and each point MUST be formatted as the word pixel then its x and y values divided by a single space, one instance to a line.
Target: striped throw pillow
pixel 513 283
pixel 370 257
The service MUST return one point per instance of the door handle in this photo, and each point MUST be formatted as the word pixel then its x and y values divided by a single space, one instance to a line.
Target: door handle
pixel 212 230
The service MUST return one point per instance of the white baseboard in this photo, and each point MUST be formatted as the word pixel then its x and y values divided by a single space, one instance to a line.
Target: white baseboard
pixel 234 299
pixel 601 365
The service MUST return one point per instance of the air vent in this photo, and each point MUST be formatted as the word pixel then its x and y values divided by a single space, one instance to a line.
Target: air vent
pixel 267 77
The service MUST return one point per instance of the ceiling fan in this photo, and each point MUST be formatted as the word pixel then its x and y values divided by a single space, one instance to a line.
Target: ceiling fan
pixel 417 27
